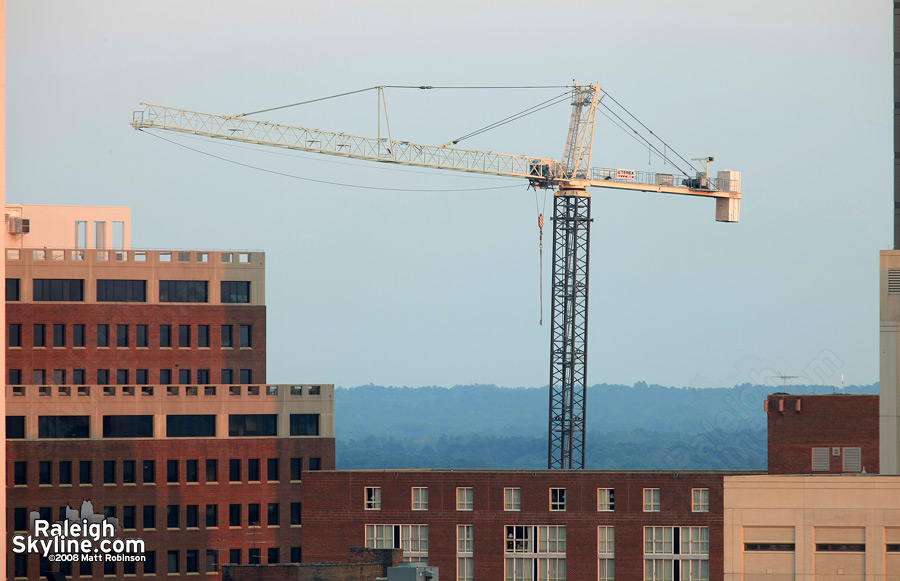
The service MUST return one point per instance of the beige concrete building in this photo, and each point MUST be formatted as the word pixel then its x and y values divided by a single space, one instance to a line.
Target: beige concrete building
pixel 889 374
pixel 823 528
pixel 39 226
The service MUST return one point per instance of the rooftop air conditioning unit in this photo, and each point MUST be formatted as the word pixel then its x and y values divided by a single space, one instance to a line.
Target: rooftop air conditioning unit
pixel 19 225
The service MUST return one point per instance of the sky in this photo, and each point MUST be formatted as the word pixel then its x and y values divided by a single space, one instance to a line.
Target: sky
pixel 424 287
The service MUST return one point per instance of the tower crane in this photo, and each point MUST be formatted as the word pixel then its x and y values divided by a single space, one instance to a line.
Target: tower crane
pixel 570 177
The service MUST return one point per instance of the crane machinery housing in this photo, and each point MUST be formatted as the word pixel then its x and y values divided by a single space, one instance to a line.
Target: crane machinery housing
pixel 570 177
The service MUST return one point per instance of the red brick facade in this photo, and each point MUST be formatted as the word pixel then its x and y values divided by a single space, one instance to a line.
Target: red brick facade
pixel 841 423
pixel 335 516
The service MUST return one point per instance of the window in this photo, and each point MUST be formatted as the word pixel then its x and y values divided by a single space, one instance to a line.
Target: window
pixel 182 291
pixel 149 517
pixel 246 376
pixel 315 463
pixel 20 473
pixel 253 556
pixel 149 471
pixel 142 376
pixel 172 471
pixel 191 426
pixel 701 500
pixel 149 562
pixel 558 499
pixel 296 513
pixel 234 515
pixel 669 551
pixel 20 519
pixel 12 289
pixel 173 516
pixel 512 499
pixel 373 498
pixel 165 335
pixel 58 289
pixel 852 460
pixel 191 516
pixel 184 335
pixel 191 471
pixel 121 376
pixel 128 472
pixel 272 514
pixel 235 291
pixel 78 335
pixel 15 427
pixel 84 472
pixel 65 472
pixel 525 543
pixel 38 338
pixel 252 425
pixel 304 424
pixel 59 335
pixel 102 376
pixel 122 291
pixel 102 335
pixel 272 555
pixel 63 426
pixel 212 560
pixel 212 515
pixel 227 376
pixel 128 517
pixel 15 335
pixel 78 376
pixel 413 539
pixel 465 565
pixel 821 459
pixel 272 472
pixel 165 376
pixel 184 376
pixel 246 335
pixel 419 498
pixel 45 472
pixel 212 470
pixel 234 556
pixel 253 469
pixel 121 335
pixel 606 499
pixel 651 500
pixel 234 470
pixel 191 561
pixel 464 498
pixel 109 472
pixel 464 538
pixel 172 559
pixel 37 378
pixel 296 468
pixel 606 548
pixel 202 335
pixel 226 336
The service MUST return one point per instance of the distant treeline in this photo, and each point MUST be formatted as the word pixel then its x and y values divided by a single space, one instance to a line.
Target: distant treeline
pixel 484 426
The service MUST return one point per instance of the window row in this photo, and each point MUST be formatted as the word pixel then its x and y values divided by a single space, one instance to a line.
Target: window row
pixel 171 390
pixel 176 471
pixel 64 377
pixel 186 336
pixel 512 499
pixel 129 291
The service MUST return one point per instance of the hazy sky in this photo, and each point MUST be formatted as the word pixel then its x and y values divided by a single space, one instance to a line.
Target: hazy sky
pixel 438 288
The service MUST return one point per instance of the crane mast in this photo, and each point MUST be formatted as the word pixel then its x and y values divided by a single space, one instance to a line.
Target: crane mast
pixel 570 177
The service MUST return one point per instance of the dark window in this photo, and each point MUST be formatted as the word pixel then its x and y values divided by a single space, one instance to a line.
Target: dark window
pixel 315 463
pixel 78 376
pixel 184 376
pixel 45 472
pixel 781 547
pixel 226 336
pixel 149 517
pixel 234 556
pixel 15 378
pixel 203 376
pixel 122 291
pixel 841 547
pixel 142 376
pixel 109 568
pixel 272 469
pixel 171 470
pixel 102 335
pixel 191 471
pixel 59 335
pixel 149 471
pixel 191 516
pixel 59 376
pixel 103 376
pixel 212 515
pixel 253 556
pixel 296 468
pixel 212 470
pixel 253 514
pixel 182 291
pixel 121 376
pixel 121 335
pixel 165 335
pixel 20 519
pixel 192 561
pixel 165 376
pixel 65 472
pixel 272 555
pixel 256 425
pixel 172 564
pixel 234 515
pixel 892 548
pixel 272 517
pixel 129 567
pixel 246 335
pixel 15 335
pixel 234 470
pixel 227 376
pixel 235 291
pixel 128 472
pixel 20 473
pixel 128 520
pixel 191 426
pixel 20 568
pixel 63 426
pixel 149 562
pixel 12 289
pixel 202 335
pixel 172 516
pixel 78 335
pixel 109 472
pixel 58 289
pixel 38 331
pixel 295 513
pixel 15 427
pixel 253 469
pixel 295 554
pixel 246 376
pixel 84 472
pixel 131 426
pixel 304 424
pixel 141 336
pixel 184 335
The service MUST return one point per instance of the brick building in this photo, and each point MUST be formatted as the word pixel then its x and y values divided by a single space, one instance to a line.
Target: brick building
pixel 136 381
pixel 823 434
pixel 524 525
